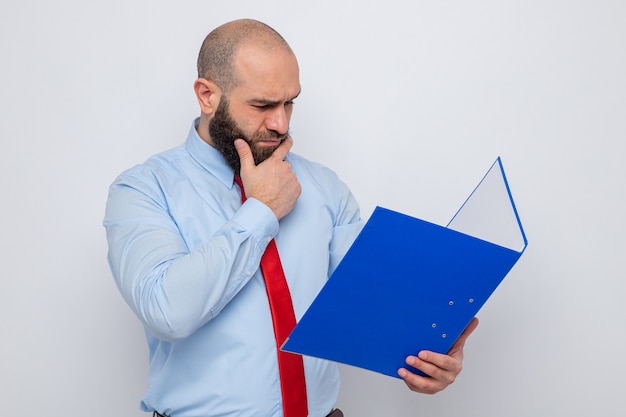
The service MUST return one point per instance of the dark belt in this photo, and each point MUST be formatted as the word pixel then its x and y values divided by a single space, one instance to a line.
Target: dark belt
pixel 335 413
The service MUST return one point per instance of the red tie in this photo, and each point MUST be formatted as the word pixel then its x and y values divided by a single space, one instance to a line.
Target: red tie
pixel 290 365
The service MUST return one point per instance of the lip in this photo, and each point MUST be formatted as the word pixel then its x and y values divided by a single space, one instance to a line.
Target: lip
pixel 269 142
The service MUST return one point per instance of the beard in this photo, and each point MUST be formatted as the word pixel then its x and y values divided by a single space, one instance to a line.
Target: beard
pixel 224 130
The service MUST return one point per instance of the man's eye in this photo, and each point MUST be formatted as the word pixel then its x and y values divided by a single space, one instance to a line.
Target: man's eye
pixel 270 106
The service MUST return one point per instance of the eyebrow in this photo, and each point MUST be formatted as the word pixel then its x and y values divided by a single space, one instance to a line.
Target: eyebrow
pixel 270 102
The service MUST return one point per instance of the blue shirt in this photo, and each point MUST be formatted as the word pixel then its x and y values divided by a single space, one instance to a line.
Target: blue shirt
pixel 185 255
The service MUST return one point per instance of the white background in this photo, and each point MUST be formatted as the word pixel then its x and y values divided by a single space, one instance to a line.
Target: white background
pixel 410 102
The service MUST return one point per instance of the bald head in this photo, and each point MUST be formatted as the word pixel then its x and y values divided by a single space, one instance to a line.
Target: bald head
pixel 216 60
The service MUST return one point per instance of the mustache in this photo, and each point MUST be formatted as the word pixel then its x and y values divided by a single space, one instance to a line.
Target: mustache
pixel 268 135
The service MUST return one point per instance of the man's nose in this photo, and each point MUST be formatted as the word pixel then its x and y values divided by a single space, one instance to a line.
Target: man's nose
pixel 277 120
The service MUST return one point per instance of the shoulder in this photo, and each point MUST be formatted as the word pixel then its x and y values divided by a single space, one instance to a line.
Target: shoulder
pixel 319 179
pixel 150 178
pixel 308 168
pixel 155 166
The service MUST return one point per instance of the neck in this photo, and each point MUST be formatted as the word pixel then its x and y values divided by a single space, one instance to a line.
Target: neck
pixel 203 129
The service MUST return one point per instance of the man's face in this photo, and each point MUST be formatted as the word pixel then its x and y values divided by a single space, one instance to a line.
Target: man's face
pixel 258 109
pixel 223 130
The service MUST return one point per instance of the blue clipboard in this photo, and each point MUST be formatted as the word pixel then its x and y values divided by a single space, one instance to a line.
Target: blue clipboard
pixel 406 284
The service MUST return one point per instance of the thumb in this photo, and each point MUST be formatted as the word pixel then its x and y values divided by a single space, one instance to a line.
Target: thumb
pixel 245 153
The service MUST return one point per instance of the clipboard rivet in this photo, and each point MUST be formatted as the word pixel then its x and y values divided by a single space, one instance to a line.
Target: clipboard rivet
pixel 471 300
pixel 443 336
pixel 451 303
pixel 434 325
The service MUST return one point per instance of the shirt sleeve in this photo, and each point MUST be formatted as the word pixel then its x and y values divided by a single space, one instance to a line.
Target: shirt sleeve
pixel 348 224
pixel 172 290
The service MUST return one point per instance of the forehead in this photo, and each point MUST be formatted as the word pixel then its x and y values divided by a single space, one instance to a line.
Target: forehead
pixel 270 73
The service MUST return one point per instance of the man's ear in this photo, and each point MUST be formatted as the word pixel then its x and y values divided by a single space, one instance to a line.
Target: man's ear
pixel 208 95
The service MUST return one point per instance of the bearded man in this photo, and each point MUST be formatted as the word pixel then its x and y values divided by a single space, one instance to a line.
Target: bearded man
pixel 188 231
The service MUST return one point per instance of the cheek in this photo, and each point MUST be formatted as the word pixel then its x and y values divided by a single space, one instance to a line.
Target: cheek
pixel 252 123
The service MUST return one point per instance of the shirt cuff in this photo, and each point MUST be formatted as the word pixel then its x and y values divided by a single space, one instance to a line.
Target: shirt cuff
pixel 258 219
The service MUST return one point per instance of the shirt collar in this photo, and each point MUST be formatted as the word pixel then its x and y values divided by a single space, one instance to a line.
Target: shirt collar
pixel 208 157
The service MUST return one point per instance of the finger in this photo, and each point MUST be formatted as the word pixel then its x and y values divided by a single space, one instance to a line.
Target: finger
pixel 244 152
pixel 283 149
pixel 460 342
pixel 469 329
pixel 417 383
pixel 436 365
